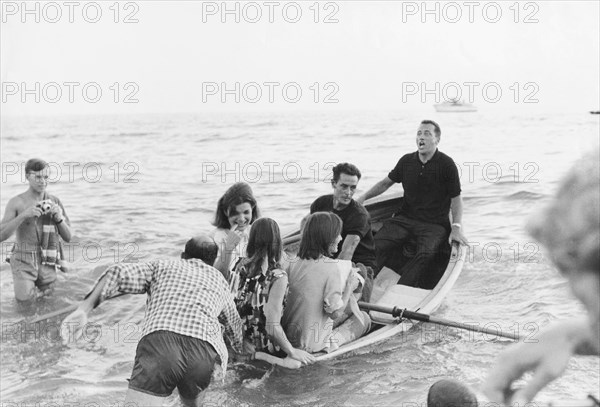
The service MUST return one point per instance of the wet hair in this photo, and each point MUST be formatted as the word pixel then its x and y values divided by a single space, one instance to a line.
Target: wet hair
pixel 237 194
pixel 450 393
pixel 319 232
pixel 437 131
pixel 345 168
pixel 201 247
pixel 34 165
pixel 569 227
pixel 264 241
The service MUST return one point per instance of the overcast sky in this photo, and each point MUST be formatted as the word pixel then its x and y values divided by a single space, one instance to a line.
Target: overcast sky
pixel 179 56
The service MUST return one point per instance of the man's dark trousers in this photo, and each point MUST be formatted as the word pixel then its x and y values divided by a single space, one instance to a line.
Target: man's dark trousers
pixel 429 238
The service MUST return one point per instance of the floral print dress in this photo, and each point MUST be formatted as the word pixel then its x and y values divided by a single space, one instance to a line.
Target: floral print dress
pixel 251 297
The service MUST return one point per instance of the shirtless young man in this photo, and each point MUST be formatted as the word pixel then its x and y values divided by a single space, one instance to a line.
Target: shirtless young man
pixel 27 218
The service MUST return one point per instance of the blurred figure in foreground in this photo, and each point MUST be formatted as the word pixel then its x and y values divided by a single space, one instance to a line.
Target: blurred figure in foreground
pixel 569 228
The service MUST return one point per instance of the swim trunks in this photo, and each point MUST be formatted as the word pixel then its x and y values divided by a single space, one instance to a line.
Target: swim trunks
pixel 27 267
pixel 165 360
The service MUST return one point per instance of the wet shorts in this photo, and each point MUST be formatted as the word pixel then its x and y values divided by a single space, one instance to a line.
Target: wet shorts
pixel 165 360
pixel 27 271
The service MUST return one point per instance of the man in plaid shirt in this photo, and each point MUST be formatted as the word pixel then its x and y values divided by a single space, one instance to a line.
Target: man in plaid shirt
pixel 188 300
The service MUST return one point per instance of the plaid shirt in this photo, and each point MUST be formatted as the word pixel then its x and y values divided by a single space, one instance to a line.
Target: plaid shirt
pixel 187 297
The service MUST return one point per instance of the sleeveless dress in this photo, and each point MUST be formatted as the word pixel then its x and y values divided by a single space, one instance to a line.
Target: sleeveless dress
pixel 251 295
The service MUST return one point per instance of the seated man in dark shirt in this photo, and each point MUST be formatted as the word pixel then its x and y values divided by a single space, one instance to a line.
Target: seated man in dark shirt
pixel 357 239
pixel 431 188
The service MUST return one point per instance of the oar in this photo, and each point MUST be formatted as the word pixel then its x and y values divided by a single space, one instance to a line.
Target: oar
pixel 451 393
pixel 291 239
pixel 404 313
pixel 66 310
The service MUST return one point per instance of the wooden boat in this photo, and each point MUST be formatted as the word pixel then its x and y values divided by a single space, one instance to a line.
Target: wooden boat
pixel 387 292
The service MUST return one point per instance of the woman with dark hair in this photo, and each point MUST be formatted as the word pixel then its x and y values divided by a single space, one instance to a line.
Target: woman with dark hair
pixel 236 211
pixel 317 293
pixel 260 285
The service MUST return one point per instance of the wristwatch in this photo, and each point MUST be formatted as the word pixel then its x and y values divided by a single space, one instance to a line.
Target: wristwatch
pixel 458 225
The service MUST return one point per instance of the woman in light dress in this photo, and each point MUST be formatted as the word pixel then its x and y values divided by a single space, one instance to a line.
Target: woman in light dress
pixel 313 318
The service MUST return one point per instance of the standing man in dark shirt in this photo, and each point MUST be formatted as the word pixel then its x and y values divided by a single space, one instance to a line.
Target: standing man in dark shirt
pixel 431 188
pixel 357 239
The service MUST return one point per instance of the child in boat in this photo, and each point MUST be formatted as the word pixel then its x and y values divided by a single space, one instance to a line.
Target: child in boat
pixel 236 211
pixel 260 285
pixel 316 297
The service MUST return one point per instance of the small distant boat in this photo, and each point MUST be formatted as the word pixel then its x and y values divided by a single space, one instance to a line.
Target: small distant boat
pixel 595 111
pixel 455 106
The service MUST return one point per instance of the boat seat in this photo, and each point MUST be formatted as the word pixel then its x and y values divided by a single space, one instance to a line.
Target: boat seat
pixel 401 296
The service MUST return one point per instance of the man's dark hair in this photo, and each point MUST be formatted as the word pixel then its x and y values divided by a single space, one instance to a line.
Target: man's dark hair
pixel 202 248
pixel 450 393
pixel 35 164
pixel 438 130
pixel 345 168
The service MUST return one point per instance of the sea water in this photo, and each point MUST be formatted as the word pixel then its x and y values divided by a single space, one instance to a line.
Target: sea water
pixel 137 187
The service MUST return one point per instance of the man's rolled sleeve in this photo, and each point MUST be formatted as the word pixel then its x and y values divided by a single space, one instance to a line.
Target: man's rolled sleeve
pixel 358 225
pixel 130 278
pixel 230 319
pixel 397 173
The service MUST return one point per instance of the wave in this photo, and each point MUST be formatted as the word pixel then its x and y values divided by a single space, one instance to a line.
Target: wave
pixel 524 196
pixel 263 124
pixel 360 135
pixel 136 134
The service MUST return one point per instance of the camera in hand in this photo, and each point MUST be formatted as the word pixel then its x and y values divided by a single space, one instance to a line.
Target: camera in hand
pixel 45 206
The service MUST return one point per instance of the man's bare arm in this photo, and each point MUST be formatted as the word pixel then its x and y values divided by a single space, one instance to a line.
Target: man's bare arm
pixel 348 247
pixel 62 222
pixel 376 190
pixel 457 234
pixel 12 218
